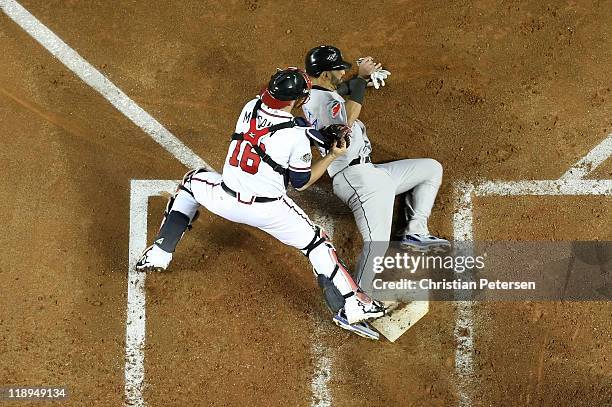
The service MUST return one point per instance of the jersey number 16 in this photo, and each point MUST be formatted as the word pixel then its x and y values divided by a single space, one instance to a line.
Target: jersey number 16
pixel 249 161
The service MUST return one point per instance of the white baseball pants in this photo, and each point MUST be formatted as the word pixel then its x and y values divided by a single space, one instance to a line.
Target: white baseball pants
pixel 283 219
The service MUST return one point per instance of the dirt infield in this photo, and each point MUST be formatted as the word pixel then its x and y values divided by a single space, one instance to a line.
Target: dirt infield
pixel 491 89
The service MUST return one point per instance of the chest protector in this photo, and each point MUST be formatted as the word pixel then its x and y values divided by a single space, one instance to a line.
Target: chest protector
pixel 254 135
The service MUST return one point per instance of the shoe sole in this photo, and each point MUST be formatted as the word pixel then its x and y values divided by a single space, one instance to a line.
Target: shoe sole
pixel 438 247
pixel 346 326
pixel 146 269
pixel 369 318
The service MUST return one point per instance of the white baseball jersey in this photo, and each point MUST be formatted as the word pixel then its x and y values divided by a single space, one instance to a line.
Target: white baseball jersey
pixel 245 172
pixel 326 107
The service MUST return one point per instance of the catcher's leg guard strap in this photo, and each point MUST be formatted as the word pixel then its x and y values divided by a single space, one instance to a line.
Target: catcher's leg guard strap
pixel 324 260
pixel 333 275
pixel 319 238
pixel 172 230
pixel 334 300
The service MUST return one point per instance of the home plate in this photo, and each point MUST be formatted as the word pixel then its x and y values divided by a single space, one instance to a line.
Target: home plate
pixel 401 317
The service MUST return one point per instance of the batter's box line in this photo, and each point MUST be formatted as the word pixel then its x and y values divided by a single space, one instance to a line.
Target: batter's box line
pixel 463 217
pixel 134 373
pixel 463 230
pixel 140 192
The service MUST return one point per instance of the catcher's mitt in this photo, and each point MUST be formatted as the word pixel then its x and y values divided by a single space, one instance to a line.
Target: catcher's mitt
pixel 330 135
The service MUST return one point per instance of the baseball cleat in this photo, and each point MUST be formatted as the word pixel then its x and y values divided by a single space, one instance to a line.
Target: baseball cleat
pixel 154 258
pixel 362 329
pixel 362 309
pixel 424 243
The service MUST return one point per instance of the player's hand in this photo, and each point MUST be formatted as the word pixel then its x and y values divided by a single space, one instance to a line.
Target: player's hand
pixel 378 77
pixel 339 148
pixel 367 66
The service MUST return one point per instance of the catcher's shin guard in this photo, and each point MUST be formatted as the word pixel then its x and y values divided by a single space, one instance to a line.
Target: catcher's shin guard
pixel 181 211
pixel 332 276
pixel 334 300
pixel 172 231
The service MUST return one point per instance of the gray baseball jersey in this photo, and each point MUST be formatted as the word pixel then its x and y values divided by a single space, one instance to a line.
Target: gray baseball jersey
pixel 369 189
pixel 326 107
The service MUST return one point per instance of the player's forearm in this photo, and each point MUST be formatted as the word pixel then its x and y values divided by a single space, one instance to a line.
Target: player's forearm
pixel 352 112
pixel 357 88
pixel 318 169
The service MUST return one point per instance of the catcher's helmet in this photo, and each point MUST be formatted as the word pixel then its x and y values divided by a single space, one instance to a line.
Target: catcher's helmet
pixel 324 58
pixel 286 85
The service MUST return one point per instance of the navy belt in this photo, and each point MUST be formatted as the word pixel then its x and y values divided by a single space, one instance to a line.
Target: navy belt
pixel 235 194
pixel 361 160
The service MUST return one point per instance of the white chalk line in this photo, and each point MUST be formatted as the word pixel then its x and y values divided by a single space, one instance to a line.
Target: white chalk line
pixel 464 322
pixel 323 356
pixel 547 187
pixel 321 394
pixel 463 218
pixel 591 161
pixel 140 192
pixel 463 230
pixel 91 76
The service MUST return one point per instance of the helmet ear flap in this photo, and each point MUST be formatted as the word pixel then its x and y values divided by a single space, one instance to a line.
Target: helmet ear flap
pixel 272 102
pixel 306 79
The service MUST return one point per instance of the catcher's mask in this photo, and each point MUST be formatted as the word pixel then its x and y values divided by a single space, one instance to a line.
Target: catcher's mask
pixel 285 86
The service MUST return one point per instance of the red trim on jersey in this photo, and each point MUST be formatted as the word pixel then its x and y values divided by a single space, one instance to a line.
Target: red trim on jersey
pixel 302 169
pixel 335 109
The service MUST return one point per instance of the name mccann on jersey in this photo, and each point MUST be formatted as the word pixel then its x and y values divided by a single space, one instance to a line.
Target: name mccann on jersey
pixel 458 284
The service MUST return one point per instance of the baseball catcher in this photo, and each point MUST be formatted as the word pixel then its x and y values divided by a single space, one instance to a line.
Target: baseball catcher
pixel 269 149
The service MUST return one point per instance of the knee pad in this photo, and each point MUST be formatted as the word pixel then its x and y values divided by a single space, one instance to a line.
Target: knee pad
pixel 178 218
pixel 186 183
pixel 184 186
pixel 169 208
pixel 319 238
